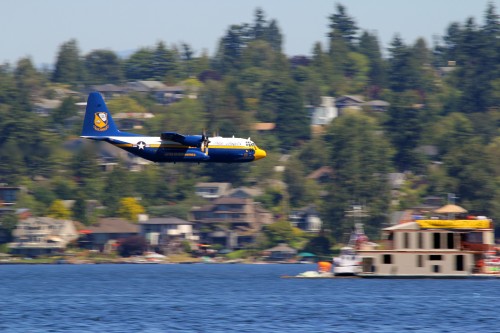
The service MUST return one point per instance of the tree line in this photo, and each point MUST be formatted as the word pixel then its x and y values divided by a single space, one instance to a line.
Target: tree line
pixel 446 96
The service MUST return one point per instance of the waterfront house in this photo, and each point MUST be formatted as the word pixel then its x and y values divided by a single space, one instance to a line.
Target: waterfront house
pixel 108 231
pixel 42 236
pixel 166 234
pixel 230 222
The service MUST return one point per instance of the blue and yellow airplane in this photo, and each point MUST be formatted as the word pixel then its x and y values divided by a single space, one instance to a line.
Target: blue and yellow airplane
pixel 169 146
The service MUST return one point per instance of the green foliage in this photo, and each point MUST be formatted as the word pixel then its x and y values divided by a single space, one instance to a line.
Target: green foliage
pixel 361 157
pixel 125 104
pixel 103 66
pixel 283 232
pixel 69 67
pixel 8 222
pixel 320 246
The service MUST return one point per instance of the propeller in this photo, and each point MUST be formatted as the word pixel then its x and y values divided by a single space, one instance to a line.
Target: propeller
pixel 204 142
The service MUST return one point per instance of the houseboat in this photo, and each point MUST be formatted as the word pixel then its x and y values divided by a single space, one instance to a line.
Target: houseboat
pixel 434 248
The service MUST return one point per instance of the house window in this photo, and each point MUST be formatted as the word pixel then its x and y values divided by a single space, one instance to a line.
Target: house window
pixel 387 259
pixel 459 262
pixel 436 268
pixel 436 238
pixel 420 260
pixel 435 257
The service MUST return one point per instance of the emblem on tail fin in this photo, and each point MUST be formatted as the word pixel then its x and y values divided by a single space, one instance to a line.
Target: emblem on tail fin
pixel 101 121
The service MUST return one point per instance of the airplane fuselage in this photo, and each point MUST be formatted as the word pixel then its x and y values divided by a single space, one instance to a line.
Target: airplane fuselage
pixel 227 150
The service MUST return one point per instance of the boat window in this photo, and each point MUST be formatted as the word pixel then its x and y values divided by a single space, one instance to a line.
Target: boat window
pixel 420 240
pixel 436 237
pixel 420 260
pixel 406 240
pixel 451 240
pixel 459 262
pixel 387 259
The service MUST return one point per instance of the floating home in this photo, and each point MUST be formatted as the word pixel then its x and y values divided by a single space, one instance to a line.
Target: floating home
pixel 433 248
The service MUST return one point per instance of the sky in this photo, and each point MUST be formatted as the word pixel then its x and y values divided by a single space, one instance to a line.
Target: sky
pixel 36 29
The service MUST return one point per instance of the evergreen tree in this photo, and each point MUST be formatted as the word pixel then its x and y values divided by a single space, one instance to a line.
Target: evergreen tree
pixel 164 62
pixel 103 66
pixel 342 26
pixel 401 74
pixel 138 66
pixel 68 68
pixel 404 128
pixel 369 46
pixel 360 158
pixel 231 47
pixel 282 101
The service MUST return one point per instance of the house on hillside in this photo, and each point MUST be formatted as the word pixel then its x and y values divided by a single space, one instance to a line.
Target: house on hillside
pixel 306 219
pixel 263 128
pixel 166 234
pixel 212 190
pixel 8 195
pixel 36 236
pixel 108 90
pixel 349 102
pixel 128 121
pixel 230 222
pixel 376 106
pixel 162 93
pixel 324 113
pixel 44 107
pixel 104 235
pixel 244 192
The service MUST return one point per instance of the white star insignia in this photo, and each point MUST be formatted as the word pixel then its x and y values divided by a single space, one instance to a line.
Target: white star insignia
pixel 141 145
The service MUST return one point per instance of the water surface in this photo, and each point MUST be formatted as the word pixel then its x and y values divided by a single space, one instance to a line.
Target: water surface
pixel 235 298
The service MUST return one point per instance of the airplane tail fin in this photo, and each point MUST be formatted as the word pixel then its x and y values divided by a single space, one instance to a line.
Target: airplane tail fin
pixel 98 122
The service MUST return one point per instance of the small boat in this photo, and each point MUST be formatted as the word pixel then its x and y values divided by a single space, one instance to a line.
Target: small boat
pixel 347 263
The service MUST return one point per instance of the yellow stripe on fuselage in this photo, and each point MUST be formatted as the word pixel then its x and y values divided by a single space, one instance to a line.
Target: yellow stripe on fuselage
pixel 160 145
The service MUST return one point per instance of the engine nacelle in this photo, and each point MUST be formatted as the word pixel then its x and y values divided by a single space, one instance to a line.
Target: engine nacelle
pixel 186 140
pixel 192 140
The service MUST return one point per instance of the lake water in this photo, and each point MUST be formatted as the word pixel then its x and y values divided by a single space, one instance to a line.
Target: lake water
pixel 216 298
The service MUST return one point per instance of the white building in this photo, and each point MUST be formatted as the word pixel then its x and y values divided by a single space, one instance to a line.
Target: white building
pixel 325 112
pixel 42 235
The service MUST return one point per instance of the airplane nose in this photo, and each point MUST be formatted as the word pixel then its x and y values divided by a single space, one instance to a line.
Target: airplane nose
pixel 259 153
